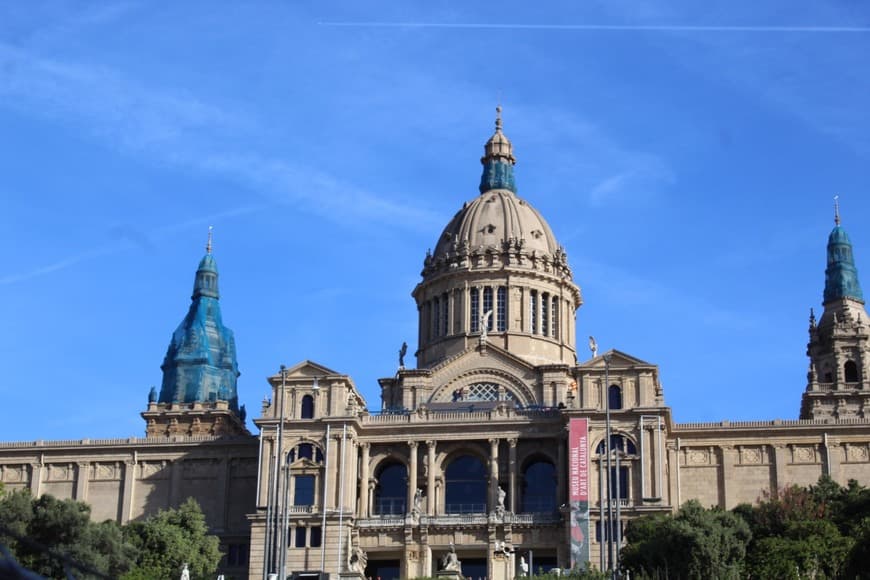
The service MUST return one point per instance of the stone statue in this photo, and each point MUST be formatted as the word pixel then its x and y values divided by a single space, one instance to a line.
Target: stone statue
pixel 524 567
pixel 450 562
pixel 484 324
pixel 185 573
pixel 402 352
pixel 356 557
pixel 152 395
pixel 418 500
pixel 501 495
pixel 243 413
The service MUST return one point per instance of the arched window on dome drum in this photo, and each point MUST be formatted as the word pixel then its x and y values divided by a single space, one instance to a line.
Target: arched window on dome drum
pixel 501 309
pixel 445 312
pixel 474 295
pixel 391 491
pixel 434 327
pixel 614 397
pixel 533 315
pixel 850 372
pixel 554 322
pixel 466 491
pixel 539 487
pixel 545 314
pixel 487 306
pixel 307 408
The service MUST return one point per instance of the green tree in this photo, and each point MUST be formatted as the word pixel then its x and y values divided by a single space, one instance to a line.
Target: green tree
pixel 171 538
pixel 42 526
pixel 695 543
pixel 803 532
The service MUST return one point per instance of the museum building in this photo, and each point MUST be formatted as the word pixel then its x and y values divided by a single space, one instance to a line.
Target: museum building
pixel 487 456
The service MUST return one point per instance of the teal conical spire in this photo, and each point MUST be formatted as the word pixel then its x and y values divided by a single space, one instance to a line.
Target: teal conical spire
pixel 498 161
pixel 200 363
pixel 841 275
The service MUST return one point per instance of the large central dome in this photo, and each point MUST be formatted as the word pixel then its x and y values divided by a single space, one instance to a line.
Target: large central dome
pixel 497 264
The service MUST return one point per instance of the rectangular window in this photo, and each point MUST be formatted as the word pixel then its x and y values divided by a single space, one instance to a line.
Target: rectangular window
pixel 533 315
pixel 475 309
pixel 300 537
pixel 314 537
pixel 545 314
pixel 623 482
pixel 487 306
pixel 501 314
pixel 599 527
pixel 304 490
pixel 237 555
pixel 554 322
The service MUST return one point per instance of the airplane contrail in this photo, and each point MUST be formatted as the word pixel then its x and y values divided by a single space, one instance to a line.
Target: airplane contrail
pixel 601 27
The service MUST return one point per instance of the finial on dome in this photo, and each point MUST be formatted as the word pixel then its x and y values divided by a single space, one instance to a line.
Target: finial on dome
pixel 498 118
pixel 208 243
pixel 836 210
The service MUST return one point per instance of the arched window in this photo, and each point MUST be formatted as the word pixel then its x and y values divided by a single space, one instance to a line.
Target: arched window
pixel 501 309
pixel 487 306
pixel 533 314
pixel 391 492
pixel 305 451
pixel 475 309
pixel 614 397
pixel 618 442
pixel 307 411
pixel 539 487
pixel 850 370
pixel 466 486
pixel 545 314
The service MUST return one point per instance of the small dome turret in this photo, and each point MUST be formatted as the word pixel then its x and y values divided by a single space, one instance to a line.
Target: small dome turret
pixel 841 275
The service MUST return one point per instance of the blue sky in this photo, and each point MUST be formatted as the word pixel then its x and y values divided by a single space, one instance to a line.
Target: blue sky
pixel 685 154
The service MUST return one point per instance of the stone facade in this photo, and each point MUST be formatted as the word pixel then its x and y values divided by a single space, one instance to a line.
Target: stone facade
pixel 468 457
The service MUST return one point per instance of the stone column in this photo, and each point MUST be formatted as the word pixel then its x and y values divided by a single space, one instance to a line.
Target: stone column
pixel 364 481
pixel 780 460
pixel 832 457
pixel 82 475
pixel 673 475
pixel 36 478
pixel 128 489
pixel 331 473
pixel 728 459
pixel 430 483
pixel 658 464
pixel 412 474
pixel 493 473
pixel 512 474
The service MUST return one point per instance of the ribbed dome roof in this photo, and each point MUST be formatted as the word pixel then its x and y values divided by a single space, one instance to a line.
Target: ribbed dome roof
pixel 497 219
pixel 497 222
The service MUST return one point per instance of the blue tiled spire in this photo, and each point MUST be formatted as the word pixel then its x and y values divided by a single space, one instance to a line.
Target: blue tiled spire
pixel 200 363
pixel 841 275
pixel 498 161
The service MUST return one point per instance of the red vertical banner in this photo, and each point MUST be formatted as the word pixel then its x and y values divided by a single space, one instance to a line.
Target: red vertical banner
pixel 578 491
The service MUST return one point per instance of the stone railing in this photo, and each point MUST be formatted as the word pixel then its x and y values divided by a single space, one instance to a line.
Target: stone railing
pixel 118 442
pixel 381 522
pixel 774 423
pixel 463 414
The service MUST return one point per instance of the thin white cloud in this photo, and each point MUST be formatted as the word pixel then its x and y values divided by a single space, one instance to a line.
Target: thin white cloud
pixel 127 241
pixel 179 129
pixel 600 27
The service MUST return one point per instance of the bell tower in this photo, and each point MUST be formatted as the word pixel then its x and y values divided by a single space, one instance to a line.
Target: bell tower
pixel 198 395
pixel 838 385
